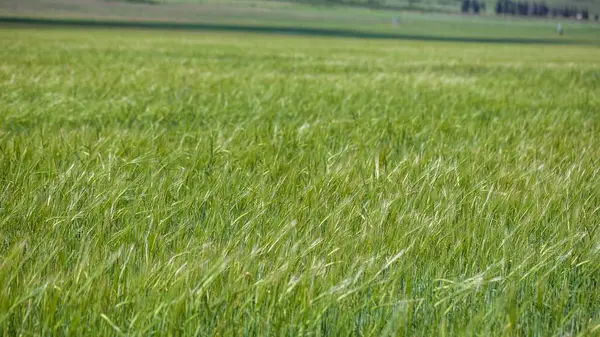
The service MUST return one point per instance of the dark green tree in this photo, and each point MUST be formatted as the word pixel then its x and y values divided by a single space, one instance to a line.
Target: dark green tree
pixel 499 7
pixel 465 6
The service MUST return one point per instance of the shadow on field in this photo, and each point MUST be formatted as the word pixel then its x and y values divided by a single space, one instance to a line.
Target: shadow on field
pixel 306 31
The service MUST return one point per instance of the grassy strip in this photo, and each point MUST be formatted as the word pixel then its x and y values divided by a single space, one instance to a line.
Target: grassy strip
pixel 259 28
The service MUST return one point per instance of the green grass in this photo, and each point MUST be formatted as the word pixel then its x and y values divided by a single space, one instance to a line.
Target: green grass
pixel 171 183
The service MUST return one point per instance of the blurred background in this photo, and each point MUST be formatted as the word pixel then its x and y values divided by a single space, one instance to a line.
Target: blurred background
pixel 435 18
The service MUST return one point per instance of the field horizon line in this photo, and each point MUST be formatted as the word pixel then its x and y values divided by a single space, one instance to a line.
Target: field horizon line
pixel 270 29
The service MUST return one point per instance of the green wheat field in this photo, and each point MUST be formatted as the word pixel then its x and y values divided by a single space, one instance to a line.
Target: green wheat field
pixel 161 183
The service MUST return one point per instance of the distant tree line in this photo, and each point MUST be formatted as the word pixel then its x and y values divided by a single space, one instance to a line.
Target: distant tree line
pixel 374 3
pixel 539 9
pixel 473 5
pixel 523 8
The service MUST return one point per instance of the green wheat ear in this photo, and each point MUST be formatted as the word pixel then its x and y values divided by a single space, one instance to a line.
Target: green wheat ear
pixel 203 184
